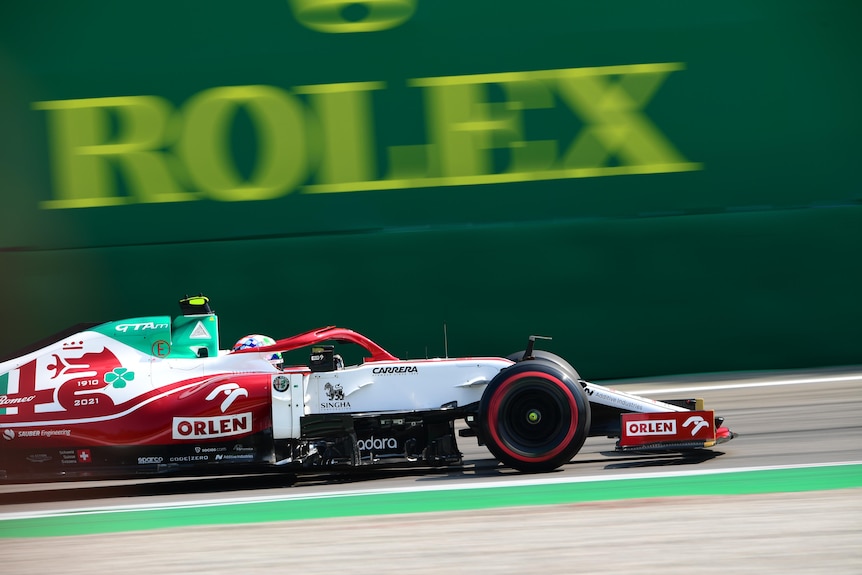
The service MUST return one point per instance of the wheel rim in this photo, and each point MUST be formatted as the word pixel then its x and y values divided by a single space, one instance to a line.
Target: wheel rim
pixel 534 418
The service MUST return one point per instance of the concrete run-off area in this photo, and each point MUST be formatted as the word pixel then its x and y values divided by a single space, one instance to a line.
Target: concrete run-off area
pixel 812 532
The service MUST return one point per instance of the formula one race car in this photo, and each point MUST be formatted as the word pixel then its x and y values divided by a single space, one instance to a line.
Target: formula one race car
pixel 155 395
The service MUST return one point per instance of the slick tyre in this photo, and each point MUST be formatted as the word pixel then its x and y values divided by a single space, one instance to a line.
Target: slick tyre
pixel 547 356
pixel 534 416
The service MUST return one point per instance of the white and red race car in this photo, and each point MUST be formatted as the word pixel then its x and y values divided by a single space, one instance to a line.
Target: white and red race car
pixel 156 395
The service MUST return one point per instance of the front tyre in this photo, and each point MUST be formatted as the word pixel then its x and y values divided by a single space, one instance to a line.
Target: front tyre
pixel 547 356
pixel 534 416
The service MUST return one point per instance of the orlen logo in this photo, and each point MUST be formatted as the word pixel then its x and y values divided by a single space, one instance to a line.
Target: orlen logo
pixel 698 422
pixel 652 427
pixel 372 443
pixel 231 392
pixel 206 427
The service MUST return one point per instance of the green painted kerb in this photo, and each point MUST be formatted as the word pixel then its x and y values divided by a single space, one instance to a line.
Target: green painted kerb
pixel 749 482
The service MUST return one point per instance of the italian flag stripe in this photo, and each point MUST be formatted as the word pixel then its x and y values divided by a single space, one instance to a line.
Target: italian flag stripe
pixel 4 389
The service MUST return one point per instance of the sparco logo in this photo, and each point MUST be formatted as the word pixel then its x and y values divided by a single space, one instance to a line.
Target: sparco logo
pixel 373 443
pixel 147 460
pixel 222 426
pixel 388 370
pixel 656 427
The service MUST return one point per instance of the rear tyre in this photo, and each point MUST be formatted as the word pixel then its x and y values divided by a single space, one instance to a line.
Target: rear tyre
pixel 534 416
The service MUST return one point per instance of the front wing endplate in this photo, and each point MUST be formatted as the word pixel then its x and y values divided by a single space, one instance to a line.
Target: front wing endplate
pixel 667 430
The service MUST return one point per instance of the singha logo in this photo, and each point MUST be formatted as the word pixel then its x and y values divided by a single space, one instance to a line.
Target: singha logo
pixel 334 392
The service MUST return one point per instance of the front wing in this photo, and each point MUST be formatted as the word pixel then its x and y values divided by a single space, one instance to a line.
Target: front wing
pixel 671 430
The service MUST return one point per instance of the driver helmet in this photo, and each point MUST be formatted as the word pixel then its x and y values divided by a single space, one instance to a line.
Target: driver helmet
pixel 257 340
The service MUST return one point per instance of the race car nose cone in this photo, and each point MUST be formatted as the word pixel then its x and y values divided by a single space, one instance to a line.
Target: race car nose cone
pixel 723 434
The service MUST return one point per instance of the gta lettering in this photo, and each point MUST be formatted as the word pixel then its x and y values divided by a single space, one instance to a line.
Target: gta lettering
pixel 340 16
pixel 322 138
pixel 125 327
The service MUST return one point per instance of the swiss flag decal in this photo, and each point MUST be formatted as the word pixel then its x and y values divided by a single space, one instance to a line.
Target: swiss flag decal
pixel 83 456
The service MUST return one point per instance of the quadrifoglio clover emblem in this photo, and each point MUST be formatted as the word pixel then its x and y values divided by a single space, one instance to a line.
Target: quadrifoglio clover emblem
pixel 119 377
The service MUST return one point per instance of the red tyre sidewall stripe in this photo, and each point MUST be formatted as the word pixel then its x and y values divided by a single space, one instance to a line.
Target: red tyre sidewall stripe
pixel 500 393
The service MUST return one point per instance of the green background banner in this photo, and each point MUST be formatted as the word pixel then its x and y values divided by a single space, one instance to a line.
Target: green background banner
pixel 662 187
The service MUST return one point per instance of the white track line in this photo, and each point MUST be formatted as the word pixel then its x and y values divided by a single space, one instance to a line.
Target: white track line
pixel 805 381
